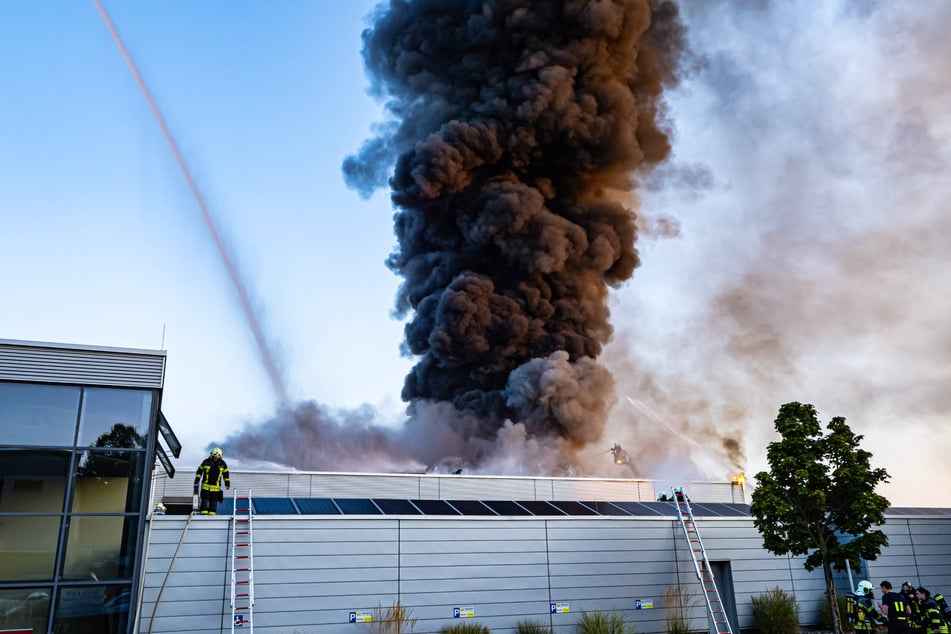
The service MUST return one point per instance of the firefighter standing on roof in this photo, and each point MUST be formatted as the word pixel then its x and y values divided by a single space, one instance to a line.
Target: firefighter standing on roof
pixel 208 479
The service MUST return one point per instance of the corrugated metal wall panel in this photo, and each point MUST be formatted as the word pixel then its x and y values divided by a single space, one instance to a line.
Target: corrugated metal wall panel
pixel 346 485
pixel 466 488
pixel 81 366
pixel 311 571
pixel 433 487
pixel 601 490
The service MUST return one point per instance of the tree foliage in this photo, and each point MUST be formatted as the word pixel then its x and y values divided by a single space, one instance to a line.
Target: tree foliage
pixel 113 463
pixel 818 498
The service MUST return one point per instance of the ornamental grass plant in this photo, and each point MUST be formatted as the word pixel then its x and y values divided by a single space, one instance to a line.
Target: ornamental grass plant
pixel 532 627
pixel 603 623
pixel 776 612
pixel 465 628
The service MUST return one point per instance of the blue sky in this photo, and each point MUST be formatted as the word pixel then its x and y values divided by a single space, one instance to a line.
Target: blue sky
pixel 265 102
pixel 808 192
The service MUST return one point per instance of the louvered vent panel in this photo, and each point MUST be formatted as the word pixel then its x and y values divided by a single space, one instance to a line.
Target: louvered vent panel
pixel 80 366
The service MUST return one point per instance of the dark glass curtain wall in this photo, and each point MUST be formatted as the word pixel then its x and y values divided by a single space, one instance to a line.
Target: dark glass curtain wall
pixel 73 468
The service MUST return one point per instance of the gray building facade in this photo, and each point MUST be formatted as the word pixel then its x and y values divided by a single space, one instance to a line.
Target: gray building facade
pixel 318 559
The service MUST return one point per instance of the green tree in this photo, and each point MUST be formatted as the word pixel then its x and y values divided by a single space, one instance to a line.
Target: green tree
pixel 112 463
pixel 818 497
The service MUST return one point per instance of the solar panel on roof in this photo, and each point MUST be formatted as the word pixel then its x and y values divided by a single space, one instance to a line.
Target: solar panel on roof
pixel 435 507
pixel 316 506
pixel 505 507
pixel 725 510
pixel 471 507
pixel 573 508
pixel 357 506
pixel 605 508
pixel 273 506
pixel 541 507
pixel 397 507
pixel 643 510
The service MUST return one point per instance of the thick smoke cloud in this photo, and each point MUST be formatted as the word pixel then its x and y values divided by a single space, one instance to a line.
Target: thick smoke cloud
pixel 515 125
pixel 812 190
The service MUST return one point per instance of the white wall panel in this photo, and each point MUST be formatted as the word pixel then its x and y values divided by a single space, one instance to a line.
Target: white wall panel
pixel 312 570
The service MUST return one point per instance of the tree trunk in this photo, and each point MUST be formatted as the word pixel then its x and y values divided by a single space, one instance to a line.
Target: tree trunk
pixel 833 600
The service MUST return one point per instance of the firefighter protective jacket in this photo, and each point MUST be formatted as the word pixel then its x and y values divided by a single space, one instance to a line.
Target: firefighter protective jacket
pixel 210 474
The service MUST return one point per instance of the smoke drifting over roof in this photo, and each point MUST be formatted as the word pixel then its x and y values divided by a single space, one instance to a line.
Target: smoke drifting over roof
pixel 813 253
pixel 514 124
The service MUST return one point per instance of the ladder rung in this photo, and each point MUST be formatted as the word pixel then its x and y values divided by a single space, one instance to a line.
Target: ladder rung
pixel 243 581
pixel 241 545
pixel 242 607
pixel 242 509
pixel 240 520
pixel 242 569
pixel 241 497
pixel 241 595
pixel 240 556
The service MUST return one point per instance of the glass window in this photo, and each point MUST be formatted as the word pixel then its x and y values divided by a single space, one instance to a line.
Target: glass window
pixel 115 418
pixel 28 547
pixel 24 609
pixel 100 548
pixel 108 482
pixel 33 481
pixel 92 609
pixel 38 414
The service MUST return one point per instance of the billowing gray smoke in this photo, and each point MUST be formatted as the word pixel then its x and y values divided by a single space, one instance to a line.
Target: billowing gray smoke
pixel 517 125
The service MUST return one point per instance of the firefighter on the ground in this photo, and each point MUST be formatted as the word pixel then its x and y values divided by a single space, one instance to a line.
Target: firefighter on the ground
pixel 861 608
pixel 212 472
pixel 931 613
pixel 942 606
pixel 916 622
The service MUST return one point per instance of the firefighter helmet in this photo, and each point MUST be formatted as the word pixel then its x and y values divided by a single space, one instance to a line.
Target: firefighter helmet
pixel 864 587
pixel 216 452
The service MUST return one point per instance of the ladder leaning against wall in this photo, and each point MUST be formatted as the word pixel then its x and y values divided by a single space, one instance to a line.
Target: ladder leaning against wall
pixel 702 567
pixel 242 564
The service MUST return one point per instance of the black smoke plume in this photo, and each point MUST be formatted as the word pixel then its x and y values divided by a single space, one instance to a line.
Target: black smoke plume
pixel 517 130
pixel 517 125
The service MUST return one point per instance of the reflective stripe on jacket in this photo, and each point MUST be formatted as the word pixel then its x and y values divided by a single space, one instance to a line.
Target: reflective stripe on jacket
pixel 210 474
pixel 934 620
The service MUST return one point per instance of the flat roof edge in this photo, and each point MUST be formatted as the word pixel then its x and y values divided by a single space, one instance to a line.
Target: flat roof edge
pixel 15 343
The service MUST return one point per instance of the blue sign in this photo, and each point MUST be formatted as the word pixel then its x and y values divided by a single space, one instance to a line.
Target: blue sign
pixel 455 613
pixel 637 604
pixel 239 620
pixel 353 617
pixel 552 608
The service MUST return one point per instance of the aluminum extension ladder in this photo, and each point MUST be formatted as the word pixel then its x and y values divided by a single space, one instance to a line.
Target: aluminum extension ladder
pixel 701 565
pixel 242 564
